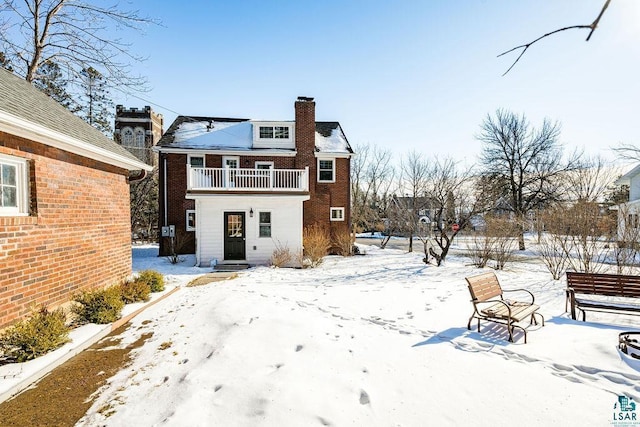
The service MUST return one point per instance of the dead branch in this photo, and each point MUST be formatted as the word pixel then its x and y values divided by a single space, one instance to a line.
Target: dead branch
pixel 526 46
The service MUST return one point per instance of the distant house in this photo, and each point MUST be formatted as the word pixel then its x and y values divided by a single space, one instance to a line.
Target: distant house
pixel 64 204
pixel 233 190
pixel 629 213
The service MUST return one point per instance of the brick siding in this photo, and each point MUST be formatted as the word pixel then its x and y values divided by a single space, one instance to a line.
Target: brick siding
pixel 316 210
pixel 76 238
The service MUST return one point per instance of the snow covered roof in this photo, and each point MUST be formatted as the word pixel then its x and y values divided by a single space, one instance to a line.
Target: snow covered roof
pixel 215 133
pixel 331 139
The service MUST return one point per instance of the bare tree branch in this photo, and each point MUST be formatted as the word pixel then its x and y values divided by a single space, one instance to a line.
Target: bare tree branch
pixel 526 46
pixel 79 33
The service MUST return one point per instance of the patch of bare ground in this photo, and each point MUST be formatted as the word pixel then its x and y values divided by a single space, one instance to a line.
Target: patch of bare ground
pixel 63 396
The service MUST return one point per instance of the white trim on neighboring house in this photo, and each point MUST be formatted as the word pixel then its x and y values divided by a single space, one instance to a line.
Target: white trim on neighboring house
pixel 18 185
pixel 25 129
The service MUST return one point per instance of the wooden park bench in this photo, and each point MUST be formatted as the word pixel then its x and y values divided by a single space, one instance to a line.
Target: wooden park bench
pixel 609 293
pixel 487 297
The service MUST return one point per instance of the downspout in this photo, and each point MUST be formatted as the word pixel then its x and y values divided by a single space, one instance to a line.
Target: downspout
pixel 164 184
pixel 140 175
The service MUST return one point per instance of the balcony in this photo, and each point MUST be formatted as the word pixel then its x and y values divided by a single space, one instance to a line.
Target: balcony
pixel 248 180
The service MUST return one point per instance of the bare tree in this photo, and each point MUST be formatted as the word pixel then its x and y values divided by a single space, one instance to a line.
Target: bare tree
pixel 628 151
pixel 144 207
pixel 73 34
pixel 371 178
pixel 414 170
pixel 587 230
pixel 524 47
pixel 453 204
pixel 591 180
pixel 521 163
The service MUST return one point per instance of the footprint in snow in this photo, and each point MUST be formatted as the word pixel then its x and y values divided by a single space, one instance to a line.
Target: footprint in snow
pixel 364 398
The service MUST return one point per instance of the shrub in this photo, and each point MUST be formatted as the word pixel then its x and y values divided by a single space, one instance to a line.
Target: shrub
pixel 99 306
pixel 154 279
pixel 281 255
pixel 316 243
pixel 41 333
pixel 134 291
pixel 344 242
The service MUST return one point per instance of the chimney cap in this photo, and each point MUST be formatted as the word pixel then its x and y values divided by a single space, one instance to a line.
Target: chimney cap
pixel 305 98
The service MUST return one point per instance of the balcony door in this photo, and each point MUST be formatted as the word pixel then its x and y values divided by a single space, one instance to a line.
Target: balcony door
pixel 229 164
pixel 234 236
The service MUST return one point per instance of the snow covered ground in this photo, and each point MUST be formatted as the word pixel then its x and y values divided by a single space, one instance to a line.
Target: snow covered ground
pixel 374 340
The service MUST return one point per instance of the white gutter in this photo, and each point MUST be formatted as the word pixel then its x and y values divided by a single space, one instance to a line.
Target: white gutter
pixel 25 129
pixel 248 152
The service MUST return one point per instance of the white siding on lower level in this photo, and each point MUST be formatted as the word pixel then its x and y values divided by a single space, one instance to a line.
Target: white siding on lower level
pixel 286 226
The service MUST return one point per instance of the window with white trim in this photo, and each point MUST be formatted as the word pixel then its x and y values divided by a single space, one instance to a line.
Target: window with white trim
pixel 264 165
pixel 337 214
pixel 326 170
pixel 191 220
pixel 196 161
pixel 14 186
pixel 274 132
pixel 265 224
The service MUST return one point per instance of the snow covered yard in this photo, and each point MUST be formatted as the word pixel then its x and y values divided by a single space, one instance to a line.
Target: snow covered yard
pixel 375 340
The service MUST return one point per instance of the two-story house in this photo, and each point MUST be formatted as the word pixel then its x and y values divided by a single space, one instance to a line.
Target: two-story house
pixel 233 190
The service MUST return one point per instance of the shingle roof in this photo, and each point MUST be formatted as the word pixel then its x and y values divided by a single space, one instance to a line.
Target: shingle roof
pixel 169 136
pixel 19 98
pixel 333 138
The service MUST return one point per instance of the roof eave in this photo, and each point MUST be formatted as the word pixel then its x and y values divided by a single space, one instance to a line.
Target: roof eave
pixel 25 129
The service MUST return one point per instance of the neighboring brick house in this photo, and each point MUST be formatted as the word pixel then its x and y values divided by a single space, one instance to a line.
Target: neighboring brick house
pixel 64 203
pixel 239 188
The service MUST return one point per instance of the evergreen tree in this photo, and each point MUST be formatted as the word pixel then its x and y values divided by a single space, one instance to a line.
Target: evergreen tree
pixel 95 106
pixel 50 80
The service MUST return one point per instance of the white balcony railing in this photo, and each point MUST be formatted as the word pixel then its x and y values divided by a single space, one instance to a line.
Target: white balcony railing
pixel 247 179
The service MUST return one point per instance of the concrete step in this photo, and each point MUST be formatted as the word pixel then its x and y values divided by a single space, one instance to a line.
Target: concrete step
pixel 230 267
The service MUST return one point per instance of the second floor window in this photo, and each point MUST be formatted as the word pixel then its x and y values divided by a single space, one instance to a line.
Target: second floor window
pixel 274 132
pixel 196 161
pixel 326 171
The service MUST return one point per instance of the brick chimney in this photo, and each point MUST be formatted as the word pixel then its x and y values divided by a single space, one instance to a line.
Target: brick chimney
pixel 305 133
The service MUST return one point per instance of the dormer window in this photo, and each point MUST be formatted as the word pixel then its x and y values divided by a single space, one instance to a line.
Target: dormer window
pixel 273 135
pixel 274 132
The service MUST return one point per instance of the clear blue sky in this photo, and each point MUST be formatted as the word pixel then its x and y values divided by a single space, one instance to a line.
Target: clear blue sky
pixel 401 75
